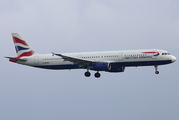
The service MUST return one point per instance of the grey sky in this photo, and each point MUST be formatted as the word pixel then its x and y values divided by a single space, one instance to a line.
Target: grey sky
pixel 62 26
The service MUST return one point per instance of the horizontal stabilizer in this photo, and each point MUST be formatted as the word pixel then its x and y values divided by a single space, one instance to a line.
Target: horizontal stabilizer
pixel 15 59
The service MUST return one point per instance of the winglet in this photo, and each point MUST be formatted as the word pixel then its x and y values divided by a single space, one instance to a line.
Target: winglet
pixel 56 54
pixel 53 53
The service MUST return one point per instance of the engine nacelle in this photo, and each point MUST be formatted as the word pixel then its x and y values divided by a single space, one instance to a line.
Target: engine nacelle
pixel 105 66
pixel 116 69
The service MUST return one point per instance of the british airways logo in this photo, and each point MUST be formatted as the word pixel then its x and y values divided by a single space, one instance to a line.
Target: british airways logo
pixel 144 55
pixel 17 40
pixel 22 48
pixel 19 48
pixel 154 53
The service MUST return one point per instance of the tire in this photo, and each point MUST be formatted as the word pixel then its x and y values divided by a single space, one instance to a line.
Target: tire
pixel 156 72
pixel 87 74
pixel 97 75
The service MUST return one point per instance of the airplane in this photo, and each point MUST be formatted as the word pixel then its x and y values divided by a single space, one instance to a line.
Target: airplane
pixel 108 61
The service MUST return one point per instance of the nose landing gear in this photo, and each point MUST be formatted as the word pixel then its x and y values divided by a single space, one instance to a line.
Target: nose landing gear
pixel 156 72
pixel 156 68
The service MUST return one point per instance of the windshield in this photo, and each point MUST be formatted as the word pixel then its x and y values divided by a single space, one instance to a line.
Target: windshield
pixel 165 53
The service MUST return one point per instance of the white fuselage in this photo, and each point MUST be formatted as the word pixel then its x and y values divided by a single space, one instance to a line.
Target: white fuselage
pixel 109 61
pixel 149 57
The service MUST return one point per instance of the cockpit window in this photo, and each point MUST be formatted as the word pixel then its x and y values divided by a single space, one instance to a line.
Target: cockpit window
pixel 165 53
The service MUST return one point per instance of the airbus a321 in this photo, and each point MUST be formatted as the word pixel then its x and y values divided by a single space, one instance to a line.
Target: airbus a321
pixel 108 61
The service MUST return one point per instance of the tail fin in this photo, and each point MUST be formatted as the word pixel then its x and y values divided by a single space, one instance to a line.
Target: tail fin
pixel 22 48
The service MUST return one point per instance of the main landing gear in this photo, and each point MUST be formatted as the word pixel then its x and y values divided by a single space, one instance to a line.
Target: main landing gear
pixel 88 74
pixel 156 68
pixel 97 75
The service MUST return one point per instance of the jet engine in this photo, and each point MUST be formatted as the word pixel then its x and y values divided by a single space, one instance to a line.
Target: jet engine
pixel 105 66
pixel 116 69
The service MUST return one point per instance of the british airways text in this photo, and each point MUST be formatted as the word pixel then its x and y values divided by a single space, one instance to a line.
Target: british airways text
pixel 137 57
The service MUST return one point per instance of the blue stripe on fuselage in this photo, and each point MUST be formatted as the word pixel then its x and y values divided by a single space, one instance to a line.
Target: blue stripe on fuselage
pixel 116 64
pixel 142 63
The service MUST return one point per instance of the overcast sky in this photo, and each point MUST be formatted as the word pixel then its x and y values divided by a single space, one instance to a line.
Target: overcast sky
pixel 62 26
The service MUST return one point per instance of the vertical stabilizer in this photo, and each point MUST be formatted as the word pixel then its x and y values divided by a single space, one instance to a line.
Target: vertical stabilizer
pixel 22 48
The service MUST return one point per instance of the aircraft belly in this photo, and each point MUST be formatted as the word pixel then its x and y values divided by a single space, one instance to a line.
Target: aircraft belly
pixel 58 67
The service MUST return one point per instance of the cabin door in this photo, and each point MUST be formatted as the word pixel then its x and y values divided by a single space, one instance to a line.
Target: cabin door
pixel 120 56
pixel 36 60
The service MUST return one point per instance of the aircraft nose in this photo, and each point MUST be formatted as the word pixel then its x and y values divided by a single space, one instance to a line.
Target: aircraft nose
pixel 173 58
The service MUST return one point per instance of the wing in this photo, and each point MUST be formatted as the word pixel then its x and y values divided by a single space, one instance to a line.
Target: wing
pixel 84 63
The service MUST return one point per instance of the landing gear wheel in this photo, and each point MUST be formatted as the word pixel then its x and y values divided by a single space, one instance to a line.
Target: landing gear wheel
pixel 87 74
pixel 156 68
pixel 156 72
pixel 97 75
